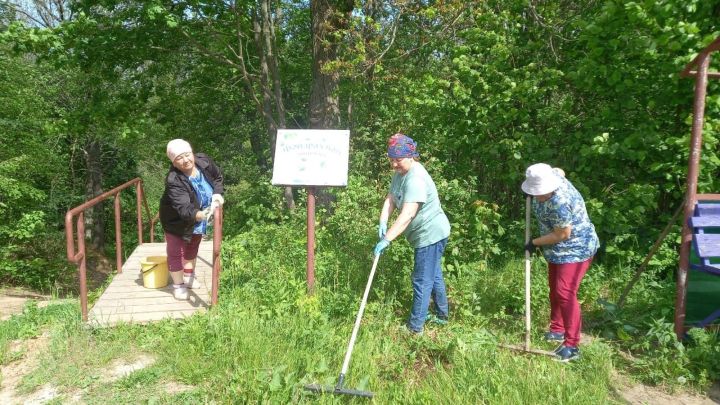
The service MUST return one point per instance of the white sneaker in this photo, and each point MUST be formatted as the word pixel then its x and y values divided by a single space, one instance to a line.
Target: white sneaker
pixel 180 292
pixel 191 281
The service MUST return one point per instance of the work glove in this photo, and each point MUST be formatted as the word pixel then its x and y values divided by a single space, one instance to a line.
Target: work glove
pixel 201 215
pixel 217 198
pixel 530 247
pixel 381 245
pixel 210 211
pixel 382 229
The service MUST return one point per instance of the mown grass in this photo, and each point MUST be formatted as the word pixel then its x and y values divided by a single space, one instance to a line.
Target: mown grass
pixel 231 355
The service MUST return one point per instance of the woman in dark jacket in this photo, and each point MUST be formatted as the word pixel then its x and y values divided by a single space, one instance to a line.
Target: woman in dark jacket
pixel 193 189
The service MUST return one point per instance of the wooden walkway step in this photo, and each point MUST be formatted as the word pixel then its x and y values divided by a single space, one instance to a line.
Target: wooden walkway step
pixel 127 301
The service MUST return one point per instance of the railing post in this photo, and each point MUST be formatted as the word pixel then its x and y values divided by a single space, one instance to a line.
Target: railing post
pixel 79 257
pixel 217 241
pixel 81 266
pixel 310 268
pixel 118 234
pixel 691 191
pixel 139 194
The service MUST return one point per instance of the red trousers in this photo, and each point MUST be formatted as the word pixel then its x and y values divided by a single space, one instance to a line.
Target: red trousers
pixel 178 249
pixel 564 280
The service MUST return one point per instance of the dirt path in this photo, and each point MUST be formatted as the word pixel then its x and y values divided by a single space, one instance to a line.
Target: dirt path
pixel 639 394
pixel 13 300
pixel 26 352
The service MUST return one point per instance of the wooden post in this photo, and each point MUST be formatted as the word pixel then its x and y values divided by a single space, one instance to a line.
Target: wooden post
pixel 528 324
pixel 311 240
pixel 691 192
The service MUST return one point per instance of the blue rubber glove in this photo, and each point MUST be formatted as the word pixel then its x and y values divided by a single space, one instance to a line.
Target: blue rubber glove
pixel 382 229
pixel 381 245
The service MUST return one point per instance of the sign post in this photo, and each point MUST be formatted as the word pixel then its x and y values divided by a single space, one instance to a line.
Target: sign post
pixel 311 158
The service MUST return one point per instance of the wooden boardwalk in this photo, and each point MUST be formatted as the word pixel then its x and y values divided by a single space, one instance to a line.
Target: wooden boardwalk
pixel 127 301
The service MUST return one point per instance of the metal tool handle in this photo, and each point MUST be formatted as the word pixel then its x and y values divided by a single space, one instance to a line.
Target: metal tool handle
pixel 527 273
pixel 348 353
pixel 145 271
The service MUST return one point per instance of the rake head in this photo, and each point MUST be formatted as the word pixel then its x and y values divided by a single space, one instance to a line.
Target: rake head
pixel 320 389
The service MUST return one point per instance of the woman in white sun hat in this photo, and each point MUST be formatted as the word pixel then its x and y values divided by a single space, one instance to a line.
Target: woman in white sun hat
pixel 569 242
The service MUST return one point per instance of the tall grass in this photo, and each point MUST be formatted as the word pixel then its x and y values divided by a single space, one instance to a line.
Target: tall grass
pixel 267 338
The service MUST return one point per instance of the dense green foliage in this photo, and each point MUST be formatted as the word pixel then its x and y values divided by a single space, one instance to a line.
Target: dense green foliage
pixel 485 87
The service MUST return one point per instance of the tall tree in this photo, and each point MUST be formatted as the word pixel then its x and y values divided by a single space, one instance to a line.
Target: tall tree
pixel 330 18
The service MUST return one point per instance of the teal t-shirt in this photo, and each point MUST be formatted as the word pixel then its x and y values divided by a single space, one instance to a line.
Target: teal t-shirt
pixel 430 224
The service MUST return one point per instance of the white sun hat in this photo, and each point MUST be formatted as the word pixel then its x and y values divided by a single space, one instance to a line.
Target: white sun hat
pixel 541 179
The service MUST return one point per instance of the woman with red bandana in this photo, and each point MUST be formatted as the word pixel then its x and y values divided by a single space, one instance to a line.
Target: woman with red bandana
pixel 422 220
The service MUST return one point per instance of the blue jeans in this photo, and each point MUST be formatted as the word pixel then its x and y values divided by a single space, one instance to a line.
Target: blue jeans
pixel 427 281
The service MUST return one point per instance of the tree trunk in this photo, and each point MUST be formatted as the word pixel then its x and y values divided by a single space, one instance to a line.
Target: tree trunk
pixel 269 101
pixel 328 17
pixel 270 83
pixel 94 218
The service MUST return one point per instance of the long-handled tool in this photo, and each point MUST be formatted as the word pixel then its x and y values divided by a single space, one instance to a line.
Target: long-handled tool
pixel 338 388
pixel 526 348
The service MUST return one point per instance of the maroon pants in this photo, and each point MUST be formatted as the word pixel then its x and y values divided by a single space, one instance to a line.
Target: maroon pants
pixel 177 249
pixel 564 280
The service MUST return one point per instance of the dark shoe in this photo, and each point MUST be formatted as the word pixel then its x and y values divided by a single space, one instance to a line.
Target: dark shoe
pixel 407 331
pixel 567 354
pixel 554 336
pixel 431 318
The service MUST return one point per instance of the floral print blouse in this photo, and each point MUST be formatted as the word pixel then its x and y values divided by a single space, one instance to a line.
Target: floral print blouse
pixel 566 208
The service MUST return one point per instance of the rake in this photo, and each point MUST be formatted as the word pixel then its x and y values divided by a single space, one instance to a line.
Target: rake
pixel 339 388
pixel 526 347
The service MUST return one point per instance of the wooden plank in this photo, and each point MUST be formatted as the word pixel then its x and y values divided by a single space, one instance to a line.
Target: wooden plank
pixel 151 304
pixel 705 221
pixel 708 244
pixel 132 294
pixel 706 197
pixel 114 319
pixel 708 268
pixel 142 309
pixel 127 300
pixel 137 295
pixel 707 209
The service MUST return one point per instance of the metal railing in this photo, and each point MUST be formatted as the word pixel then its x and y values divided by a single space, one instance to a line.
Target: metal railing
pixel 700 69
pixel 217 244
pixel 79 256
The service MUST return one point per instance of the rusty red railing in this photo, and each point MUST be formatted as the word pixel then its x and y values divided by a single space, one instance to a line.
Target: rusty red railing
pixel 698 68
pixel 79 257
pixel 217 244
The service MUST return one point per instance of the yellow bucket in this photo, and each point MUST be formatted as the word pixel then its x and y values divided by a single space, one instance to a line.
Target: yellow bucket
pixel 155 271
